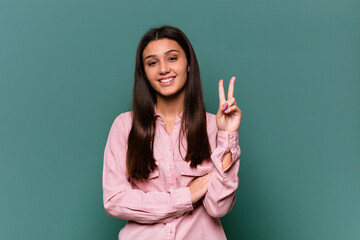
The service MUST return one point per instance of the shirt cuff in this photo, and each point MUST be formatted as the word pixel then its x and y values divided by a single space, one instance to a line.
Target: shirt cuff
pixel 228 140
pixel 181 199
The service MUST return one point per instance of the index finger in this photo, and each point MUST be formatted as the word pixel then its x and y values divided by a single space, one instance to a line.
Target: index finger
pixel 231 88
pixel 221 91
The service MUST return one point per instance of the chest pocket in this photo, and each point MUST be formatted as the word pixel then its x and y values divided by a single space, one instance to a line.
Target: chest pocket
pixel 205 167
pixel 150 184
pixel 152 175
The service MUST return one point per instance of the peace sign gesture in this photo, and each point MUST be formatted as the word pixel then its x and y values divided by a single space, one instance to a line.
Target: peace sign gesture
pixel 228 116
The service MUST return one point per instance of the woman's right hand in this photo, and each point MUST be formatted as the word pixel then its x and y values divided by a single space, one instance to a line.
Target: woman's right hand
pixel 198 187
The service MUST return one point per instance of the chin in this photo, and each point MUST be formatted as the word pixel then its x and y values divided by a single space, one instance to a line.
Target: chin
pixel 172 94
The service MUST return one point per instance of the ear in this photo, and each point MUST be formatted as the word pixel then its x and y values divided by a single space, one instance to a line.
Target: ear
pixel 188 68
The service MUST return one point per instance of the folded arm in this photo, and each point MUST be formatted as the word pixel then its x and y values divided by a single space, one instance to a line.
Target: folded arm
pixel 122 201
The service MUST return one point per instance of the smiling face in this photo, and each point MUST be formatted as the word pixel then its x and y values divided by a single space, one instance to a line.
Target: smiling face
pixel 166 67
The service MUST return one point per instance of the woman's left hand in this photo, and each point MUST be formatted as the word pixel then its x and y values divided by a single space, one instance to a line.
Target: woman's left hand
pixel 228 116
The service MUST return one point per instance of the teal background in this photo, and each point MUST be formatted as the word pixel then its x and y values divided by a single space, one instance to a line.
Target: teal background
pixel 66 72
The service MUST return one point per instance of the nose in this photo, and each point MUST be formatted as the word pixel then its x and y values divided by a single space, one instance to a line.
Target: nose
pixel 163 67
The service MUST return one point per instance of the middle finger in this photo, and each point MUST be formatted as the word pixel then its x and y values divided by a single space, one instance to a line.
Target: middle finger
pixel 231 88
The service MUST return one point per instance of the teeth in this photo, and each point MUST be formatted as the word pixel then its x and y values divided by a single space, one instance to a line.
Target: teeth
pixel 166 80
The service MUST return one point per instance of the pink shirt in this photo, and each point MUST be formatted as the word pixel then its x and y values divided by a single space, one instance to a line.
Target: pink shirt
pixel 160 207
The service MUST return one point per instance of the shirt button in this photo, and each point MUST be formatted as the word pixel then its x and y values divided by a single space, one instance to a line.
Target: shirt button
pixel 172 187
pixel 170 148
pixel 171 231
pixel 170 167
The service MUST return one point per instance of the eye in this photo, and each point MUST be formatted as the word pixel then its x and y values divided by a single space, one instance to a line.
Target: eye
pixel 173 58
pixel 151 63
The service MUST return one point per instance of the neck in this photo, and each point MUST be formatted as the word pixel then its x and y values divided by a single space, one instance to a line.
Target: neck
pixel 170 107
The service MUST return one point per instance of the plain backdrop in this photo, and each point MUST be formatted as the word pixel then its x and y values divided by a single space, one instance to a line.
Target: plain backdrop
pixel 66 72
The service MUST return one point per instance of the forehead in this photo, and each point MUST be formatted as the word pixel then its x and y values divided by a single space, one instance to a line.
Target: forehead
pixel 161 46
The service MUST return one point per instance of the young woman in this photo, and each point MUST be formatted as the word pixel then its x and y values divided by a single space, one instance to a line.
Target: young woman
pixel 170 168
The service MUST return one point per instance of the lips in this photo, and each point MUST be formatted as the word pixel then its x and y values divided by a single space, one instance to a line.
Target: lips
pixel 166 81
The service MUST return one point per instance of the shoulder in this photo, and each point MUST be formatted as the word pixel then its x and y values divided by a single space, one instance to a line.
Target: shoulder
pixel 123 122
pixel 210 120
pixel 211 127
pixel 210 117
pixel 124 117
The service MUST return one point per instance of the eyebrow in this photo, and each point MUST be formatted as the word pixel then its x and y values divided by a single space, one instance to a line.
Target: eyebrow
pixel 172 50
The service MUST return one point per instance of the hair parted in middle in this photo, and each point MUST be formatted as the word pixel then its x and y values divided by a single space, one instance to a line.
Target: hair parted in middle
pixel 140 160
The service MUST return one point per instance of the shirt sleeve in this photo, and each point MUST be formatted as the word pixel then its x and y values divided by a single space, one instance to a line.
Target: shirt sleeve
pixel 122 201
pixel 222 185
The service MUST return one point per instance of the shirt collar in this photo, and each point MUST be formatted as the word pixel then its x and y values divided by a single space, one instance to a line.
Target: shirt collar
pixel 157 115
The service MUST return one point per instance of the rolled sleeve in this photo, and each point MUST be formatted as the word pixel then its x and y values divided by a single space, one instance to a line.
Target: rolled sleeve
pixel 226 142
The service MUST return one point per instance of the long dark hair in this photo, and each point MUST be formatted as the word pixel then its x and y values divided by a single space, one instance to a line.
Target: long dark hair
pixel 140 160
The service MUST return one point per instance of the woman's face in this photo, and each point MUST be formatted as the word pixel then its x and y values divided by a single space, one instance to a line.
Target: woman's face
pixel 166 67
